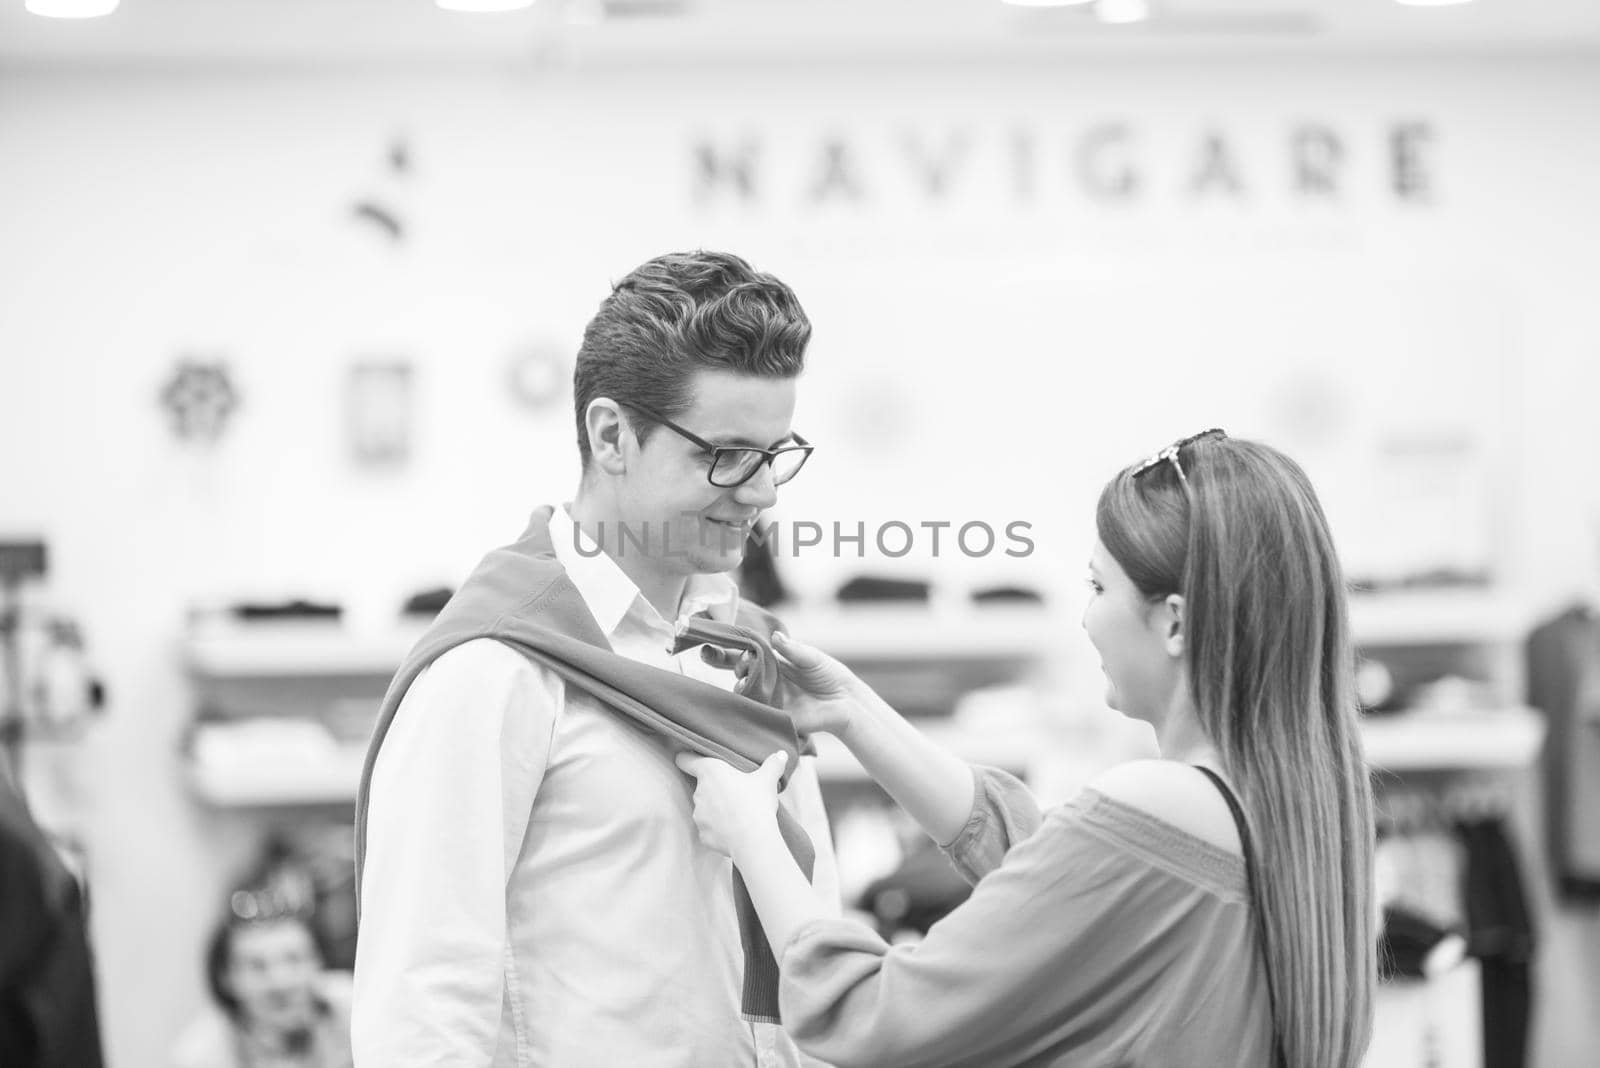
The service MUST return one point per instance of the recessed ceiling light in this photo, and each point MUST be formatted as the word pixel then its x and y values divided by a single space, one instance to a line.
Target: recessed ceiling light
pixel 71 9
pixel 1430 3
pixel 484 5
pixel 1122 11
pixel 1046 3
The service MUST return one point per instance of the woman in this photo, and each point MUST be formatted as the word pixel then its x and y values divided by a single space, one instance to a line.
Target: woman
pixel 1148 921
pixel 279 1007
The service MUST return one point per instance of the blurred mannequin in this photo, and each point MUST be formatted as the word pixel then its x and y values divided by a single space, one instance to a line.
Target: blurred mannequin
pixel 279 1007
pixel 47 998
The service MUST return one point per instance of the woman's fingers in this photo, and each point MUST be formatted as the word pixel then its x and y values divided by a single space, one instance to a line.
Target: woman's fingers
pixel 693 763
pixel 772 768
pixel 799 654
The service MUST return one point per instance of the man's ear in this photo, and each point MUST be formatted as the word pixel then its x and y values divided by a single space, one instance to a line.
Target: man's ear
pixel 1171 618
pixel 608 432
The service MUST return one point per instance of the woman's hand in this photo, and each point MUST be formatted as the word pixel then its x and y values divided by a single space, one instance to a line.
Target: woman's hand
pixel 730 806
pixel 818 692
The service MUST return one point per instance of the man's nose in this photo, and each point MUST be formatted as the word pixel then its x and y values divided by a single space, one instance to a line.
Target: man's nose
pixel 758 490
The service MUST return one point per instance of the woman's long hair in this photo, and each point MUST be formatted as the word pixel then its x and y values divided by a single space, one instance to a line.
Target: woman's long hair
pixel 1268 654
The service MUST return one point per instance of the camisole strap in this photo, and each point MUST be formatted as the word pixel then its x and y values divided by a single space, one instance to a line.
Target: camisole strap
pixel 1255 900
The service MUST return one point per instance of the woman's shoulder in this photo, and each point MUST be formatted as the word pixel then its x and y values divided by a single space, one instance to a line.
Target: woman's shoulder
pixel 1179 795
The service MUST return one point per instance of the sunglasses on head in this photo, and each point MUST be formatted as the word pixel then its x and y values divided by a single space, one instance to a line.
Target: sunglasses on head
pixel 1171 452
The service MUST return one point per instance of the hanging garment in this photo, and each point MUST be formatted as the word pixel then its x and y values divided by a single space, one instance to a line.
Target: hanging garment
pixel 48 1017
pixel 1563 663
pixel 1500 935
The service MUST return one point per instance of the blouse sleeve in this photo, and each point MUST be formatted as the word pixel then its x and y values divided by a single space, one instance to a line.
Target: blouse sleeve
pixel 1061 949
pixel 1003 814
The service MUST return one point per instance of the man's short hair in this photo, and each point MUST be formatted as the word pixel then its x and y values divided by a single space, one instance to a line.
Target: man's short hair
pixel 682 313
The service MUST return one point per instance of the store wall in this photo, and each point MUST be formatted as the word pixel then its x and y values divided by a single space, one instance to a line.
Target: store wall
pixel 1021 279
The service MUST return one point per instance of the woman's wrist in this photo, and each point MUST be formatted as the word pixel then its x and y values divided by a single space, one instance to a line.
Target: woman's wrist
pixel 867 711
pixel 751 837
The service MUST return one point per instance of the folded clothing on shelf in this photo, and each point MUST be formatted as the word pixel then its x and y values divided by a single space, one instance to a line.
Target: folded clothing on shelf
pixel 880 588
pixel 296 609
pixel 427 602
pixel 1007 595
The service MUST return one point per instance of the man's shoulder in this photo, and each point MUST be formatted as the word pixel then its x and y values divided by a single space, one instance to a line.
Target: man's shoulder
pixel 480 654
pixel 483 663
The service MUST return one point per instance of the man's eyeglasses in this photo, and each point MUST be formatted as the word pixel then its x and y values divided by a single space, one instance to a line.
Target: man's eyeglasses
pixel 733 465
pixel 1171 452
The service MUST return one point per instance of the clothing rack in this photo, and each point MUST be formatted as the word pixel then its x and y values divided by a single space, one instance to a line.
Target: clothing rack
pixel 1461 799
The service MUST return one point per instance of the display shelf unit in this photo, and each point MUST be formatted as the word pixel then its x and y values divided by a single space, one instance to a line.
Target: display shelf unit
pixel 1438 617
pixel 1505 740
pixel 277 780
pixel 220 650
pixel 925 632
pixel 987 642
pixel 932 653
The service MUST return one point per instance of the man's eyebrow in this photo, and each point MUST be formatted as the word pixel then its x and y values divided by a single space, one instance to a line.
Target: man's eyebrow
pixel 749 443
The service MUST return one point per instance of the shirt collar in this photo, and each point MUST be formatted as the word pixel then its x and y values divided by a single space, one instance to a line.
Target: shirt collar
pixel 611 595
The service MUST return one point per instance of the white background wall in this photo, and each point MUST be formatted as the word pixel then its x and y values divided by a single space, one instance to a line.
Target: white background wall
pixel 981 356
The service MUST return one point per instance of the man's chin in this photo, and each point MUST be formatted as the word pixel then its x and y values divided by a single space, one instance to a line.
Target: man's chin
pixel 711 562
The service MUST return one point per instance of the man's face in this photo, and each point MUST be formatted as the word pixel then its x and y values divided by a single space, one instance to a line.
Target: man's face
pixel 271 970
pixel 695 527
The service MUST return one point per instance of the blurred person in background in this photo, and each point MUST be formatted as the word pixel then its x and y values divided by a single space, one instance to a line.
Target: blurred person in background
pixel 48 1017
pixel 276 1005
pixel 1213 907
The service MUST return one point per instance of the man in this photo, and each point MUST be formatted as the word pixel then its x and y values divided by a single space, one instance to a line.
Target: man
pixel 532 888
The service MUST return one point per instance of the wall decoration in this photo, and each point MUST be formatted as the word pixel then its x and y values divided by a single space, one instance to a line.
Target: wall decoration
pixel 538 375
pixel 379 211
pixel 200 398
pixel 378 413
pixel 1126 161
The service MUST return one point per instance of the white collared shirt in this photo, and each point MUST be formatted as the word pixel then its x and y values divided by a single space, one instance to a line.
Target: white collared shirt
pixel 535 892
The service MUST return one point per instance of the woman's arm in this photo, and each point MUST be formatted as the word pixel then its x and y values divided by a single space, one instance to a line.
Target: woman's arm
pixel 933 785
pixel 734 812
pixel 1054 954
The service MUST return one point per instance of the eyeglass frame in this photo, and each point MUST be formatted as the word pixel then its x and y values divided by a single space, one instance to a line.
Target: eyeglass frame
pixel 716 451
pixel 1171 453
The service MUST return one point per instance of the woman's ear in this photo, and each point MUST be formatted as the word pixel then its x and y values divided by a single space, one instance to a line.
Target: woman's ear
pixel 607 432
pixel 1172 624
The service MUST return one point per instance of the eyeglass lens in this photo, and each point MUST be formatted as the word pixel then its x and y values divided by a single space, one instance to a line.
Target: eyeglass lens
pixel 734 466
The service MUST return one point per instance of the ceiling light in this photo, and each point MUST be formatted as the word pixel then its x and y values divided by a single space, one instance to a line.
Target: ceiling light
pixel 1046 3
pixel 484 5
pixel 71 9
pixel 1430 3
pixel 1121 11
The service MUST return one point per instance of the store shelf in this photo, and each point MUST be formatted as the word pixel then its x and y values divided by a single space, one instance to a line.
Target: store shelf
pixel 278 775
pixel 891 632
pixel 1453 741
pixel 328 778
pixel 222 650
pixel 1438 617
pixel 295 650
pixel 1013 751
pixel 928 633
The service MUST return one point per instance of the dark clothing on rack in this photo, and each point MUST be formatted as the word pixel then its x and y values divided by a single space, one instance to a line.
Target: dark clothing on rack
pixel 1406 941
pixel 47 997
pixel 1501 937
pixel 1563 661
